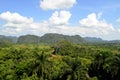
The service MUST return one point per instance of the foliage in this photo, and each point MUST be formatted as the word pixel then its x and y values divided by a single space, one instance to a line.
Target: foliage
pixel 61 61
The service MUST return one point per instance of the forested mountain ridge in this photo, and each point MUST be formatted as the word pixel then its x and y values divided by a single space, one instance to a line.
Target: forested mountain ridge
pixel 28 39
pixel 10 39
pixel 51 38
pixel 93 39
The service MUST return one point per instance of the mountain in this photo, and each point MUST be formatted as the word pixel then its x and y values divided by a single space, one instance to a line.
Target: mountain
pixel 53 38
pixel 114 41
pixel 50 38
pixel 13 38
pixel 94 39
pixel 2 36
pixel 99 40
pixel 28 39
pixel 8 39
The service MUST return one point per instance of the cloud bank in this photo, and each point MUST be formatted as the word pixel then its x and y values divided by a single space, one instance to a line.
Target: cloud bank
pixel 60 18
pixel 56 4
pixel 92 25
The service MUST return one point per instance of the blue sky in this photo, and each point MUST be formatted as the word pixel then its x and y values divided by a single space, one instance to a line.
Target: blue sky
pixel 90 18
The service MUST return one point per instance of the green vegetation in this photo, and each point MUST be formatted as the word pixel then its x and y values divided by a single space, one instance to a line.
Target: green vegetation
pixel 61 61
pixel 27 39
pixel 49 38
pixel 58 57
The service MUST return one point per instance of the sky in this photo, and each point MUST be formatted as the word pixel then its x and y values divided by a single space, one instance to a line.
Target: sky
pixel 87 18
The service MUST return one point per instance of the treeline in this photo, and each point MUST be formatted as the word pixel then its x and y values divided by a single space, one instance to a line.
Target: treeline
pixel 49 38
pixel 61 61
pixel 52 38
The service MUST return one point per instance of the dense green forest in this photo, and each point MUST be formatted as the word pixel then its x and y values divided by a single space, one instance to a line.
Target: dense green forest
pixel 58 57
pixel 60 61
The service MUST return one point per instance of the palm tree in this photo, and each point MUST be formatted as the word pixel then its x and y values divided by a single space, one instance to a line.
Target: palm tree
pixel 76 71
pixel 38 65
pixel 97 67
pixel 113 67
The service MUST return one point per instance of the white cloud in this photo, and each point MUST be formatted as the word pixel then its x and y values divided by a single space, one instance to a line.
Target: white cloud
pixel 95 25
pixel 90 26
pixel 99 15
pixel 17 24
pixel 15 18
pixel 118 20
pixel 56 4
pixel 60 18
pixel 91 20
pixel 118 30
pixel 57 23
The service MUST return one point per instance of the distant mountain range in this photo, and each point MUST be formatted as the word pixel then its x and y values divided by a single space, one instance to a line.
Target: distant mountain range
pixel 93 39
pixel 9 39
pixel 51 38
